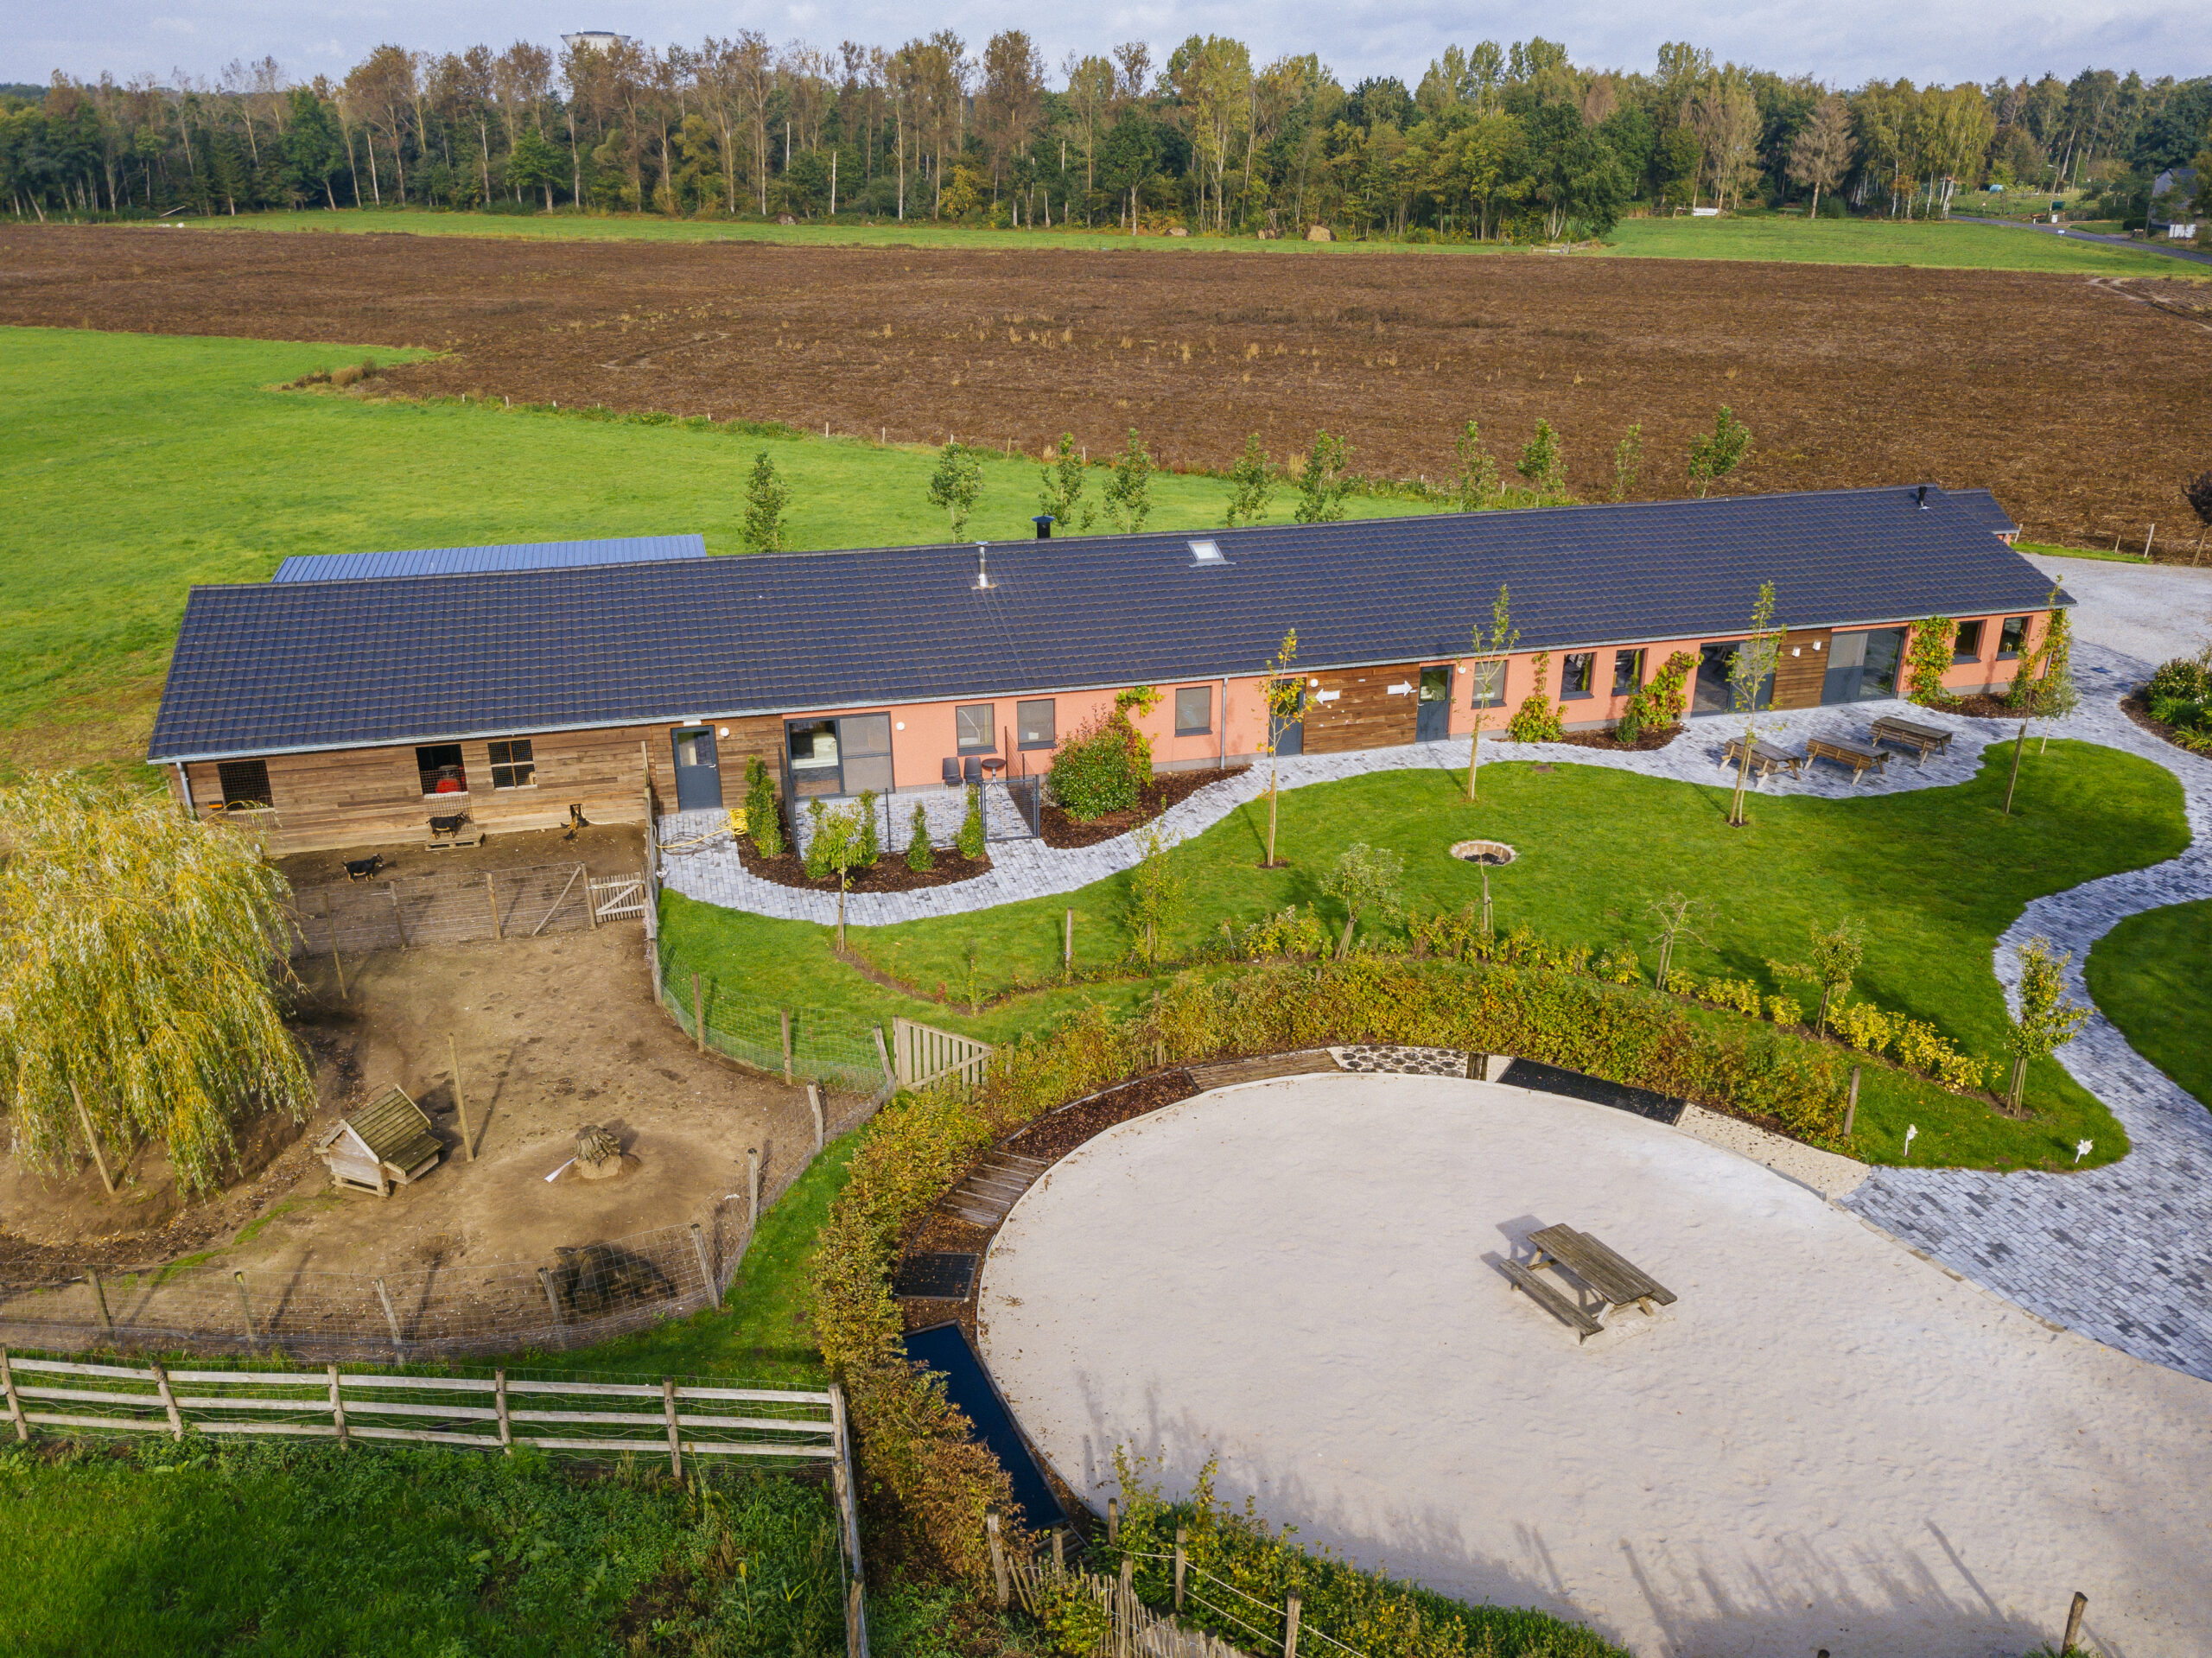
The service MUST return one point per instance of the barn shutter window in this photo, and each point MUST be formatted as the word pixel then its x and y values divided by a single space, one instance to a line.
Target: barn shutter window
pixel 245 784
pixel 512 765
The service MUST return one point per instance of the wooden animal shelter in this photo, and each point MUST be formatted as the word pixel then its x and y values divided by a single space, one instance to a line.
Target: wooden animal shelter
pixel 386 1143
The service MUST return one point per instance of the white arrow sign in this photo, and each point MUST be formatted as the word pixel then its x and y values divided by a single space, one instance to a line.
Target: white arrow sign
pixel 1403 687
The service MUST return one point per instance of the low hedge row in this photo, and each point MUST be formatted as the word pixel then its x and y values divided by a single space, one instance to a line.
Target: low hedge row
pixel 919 1469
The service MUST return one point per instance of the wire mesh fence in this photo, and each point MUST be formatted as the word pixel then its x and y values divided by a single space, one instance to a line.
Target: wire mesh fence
pixel 804 1043
pixel 353 918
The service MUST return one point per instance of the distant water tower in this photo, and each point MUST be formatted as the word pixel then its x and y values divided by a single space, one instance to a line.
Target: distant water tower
pixel 597 39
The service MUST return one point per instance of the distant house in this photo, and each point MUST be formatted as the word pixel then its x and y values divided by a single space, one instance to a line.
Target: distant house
pixel 2173 213
pixel 597 39
pixel 345 712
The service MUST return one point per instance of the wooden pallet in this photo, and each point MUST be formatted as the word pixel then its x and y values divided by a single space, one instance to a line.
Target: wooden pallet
pixel 1225 1072
pixel 993 1187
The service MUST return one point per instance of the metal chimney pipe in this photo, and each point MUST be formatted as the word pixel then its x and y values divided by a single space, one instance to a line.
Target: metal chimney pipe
pixel 1044 523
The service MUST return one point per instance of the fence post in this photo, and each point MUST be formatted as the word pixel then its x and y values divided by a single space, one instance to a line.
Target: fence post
pixel 91 1139
pixel 245 1307
pixel 1113 1524
pixel 499 1401
pixel 398 922
pixel 460 1105
pixel 675 1443
pixel 1182 1561
pixel 2074 1623
pixel 99 1300
pixel 1067 943
pixel 330 920
pixel 1290 1625
pixel 492 897
pixel 545 1283
pixel 1059 1552
pixel 698 1015
pixel 752 1191
pixel 883 1058
pixel 399 1347
pixel 785 1014
pixel 998 1561
pixel 15 1401
pixel 168 1399
pixel 1850 1107
pixel 707 1275
pixel 814 1104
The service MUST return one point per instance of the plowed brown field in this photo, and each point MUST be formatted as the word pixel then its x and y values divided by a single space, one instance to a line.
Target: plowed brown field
pixel 2082 402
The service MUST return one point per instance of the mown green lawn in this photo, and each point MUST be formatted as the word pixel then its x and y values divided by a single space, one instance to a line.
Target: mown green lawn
pixel 2152 976
pixel 1947 246
pixel 134 466
pixel 1935 875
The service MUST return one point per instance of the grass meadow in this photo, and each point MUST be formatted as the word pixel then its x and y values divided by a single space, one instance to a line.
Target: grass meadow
pixel 1952 246
pixel 2151 975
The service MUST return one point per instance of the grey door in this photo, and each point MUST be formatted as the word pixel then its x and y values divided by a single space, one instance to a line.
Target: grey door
pixel 1289 730
pixel 1713 695
pixel 1433 718
pixel 864 742
pixel 1862 667
pixel 698 779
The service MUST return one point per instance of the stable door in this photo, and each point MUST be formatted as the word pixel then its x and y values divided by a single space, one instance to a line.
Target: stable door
pixel 698 779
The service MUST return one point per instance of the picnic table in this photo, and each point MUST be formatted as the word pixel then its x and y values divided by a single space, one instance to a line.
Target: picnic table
pixel 1907 734
pixel 1766 759
pixel 1601 1280
pixel 1859 757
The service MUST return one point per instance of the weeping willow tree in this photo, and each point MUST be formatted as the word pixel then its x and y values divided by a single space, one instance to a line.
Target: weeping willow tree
pixel 137 998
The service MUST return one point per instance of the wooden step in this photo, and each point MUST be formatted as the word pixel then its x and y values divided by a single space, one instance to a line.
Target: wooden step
pixel 1223 1073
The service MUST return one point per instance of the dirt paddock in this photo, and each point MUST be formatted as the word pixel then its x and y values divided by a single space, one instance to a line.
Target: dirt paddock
pixel 551 1033
pixel 2078 400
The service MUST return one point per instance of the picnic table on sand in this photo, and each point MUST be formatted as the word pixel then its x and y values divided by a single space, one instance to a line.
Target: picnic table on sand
pixel 1859 757
pixel 1600 1281
pixel 1906 733
pixel 1766 759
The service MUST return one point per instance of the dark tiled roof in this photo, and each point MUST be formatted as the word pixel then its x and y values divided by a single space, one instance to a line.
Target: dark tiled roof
pixel 1983 508
pixel 506 555
pixel 330 664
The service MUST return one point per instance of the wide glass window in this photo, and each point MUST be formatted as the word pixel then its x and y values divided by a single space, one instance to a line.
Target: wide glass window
pixel 1194 710
pixel 1885 652
pixel 1574 673
pixel 1627 673
pixel 977 725
pixel 1032 724
pixel 439 766
pixel 1967 647
pixel 245 784
pixel 2012 638
pixel 1488 677
pixel 512 765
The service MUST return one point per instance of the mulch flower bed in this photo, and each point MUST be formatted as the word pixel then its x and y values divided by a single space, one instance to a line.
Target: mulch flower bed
pixel 1165 789
pixel 1649 738
pixel 890 873
pixel 2140 711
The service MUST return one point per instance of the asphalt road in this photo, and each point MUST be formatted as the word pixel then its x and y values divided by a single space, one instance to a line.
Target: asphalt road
pixel 2189 254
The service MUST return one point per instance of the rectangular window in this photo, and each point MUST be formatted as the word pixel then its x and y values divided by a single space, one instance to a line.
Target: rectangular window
pixel 245 784
pixel 1032 724
pixel 2013 638
pixel 977 725
pixel 438 766
pixel 1627 673
pixel 1574 673
pixel 1967 646
pixel 512 766
pixel 1194 710
pixel 1488 677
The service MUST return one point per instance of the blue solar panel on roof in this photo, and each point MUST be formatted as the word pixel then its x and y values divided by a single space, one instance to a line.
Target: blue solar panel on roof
pixel 306 664
pixel 506 555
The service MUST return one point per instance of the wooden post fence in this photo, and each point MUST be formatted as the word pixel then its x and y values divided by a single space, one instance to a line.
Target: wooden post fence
pixel 91 1139
pixel 399 1346
pixel 245 1309
pixel 492 897
pixel 337 1405
pixel 1290 1625
pixel 785 1013
pixel 706 1270
pixel 814 1104
pixel 99 1300
pixel 460 1105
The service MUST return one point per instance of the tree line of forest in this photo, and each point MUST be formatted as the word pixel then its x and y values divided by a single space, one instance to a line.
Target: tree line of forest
pixel 1516 143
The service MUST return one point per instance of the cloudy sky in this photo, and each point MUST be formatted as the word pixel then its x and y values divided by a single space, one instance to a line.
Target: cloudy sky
pixel 1941 41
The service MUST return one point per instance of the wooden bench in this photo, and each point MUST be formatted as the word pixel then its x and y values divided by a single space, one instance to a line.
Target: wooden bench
pixel 1906 733
pixel 1619 1282
pixel 1844 751
pixel 1766 759
pixel 1584 1325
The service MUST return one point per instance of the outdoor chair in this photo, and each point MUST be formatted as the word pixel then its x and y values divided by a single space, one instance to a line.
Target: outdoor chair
pixel 971 771
pixel 951 772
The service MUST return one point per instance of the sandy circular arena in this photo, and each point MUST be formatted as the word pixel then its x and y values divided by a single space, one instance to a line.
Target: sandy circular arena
pixel 1827 1442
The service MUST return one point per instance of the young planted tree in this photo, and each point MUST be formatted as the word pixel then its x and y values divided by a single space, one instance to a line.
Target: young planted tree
pixel 1720 451
pixel 1251 486
pixel 1062 495
pixel 1628 461
pixel 764 819
pixel 1129 492
pixel 955 485
pixel 921 856
pixel 1543 465
pixel 2047 1020
pixel 1284 692
pixel 1325 481
pixel 1754 663
pixel 1476 487
pixel 1674 913
pixel 973 839
pixel 1366 878
pixel 1159 892
pixel 766 495
pixel 1835 957
pixel 137 984
pixel 1494 645
pixel 844 841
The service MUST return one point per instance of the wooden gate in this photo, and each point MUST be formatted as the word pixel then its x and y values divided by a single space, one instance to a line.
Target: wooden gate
pixel 922 1054
pixel 618 899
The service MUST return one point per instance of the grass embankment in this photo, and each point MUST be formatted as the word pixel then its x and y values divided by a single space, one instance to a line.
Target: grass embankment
pixel 135 466
pixel 2152 976
pixel 1850 241
pixel 158 1547
pixel 1934 874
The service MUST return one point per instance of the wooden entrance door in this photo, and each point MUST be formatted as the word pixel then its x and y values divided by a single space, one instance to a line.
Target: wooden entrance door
pixel 1362 708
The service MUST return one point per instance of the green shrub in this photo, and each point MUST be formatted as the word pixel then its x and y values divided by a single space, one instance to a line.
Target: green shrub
pixel 1659 702
pixel 921 856
pixel 763 818
pixel 1920 1047
pixel 1861 1024
pixel 1784 1010
pixel 1292 932
pixel 1537 718
pixel 2181 713
pixel 972 839
pixel 869 840
pixel 1102 769
pixel 1928 658
pixel 2186 679
pixel 818 844
pixel 1739 995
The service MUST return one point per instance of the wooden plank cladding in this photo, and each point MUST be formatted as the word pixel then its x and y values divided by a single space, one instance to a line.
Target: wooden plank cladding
pixel 1362 708
pixel 370 796
pixel 1803 666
